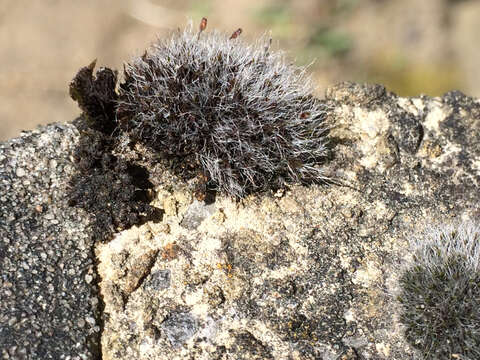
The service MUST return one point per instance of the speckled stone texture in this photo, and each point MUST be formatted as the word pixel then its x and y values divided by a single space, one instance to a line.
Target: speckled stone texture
pixel 49 308
pixel 307 273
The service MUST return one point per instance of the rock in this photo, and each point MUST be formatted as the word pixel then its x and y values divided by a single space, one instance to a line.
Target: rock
pixel 46 252
pixel 179 327
pixel 312 273
pixel 159 280
pixel 195 214
pixel 307 273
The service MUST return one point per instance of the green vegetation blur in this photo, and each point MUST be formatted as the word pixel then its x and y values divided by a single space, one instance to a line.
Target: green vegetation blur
pixel 326 34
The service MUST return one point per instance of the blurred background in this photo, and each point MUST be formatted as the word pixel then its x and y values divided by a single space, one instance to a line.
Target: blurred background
pixel 411 46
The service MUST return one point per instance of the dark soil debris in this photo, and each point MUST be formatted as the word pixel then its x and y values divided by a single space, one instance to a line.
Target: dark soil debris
pixel 114 190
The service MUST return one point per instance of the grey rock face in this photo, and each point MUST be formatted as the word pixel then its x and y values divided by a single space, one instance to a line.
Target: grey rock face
pixel 179 327
pixel 48 296
pixel 195 214
pixel 159 280
pixel 310 273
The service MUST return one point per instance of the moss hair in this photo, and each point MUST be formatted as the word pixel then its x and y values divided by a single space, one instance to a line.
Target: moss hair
pixel 440 292
pixel 238 114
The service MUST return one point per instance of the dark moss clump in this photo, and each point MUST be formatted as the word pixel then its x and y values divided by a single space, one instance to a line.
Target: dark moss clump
pixel 96 96
pixel 236 117
pixel 441 294
pixel 236 113
pixel 114 190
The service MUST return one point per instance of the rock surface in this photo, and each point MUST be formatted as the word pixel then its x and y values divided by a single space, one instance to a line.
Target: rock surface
pixel 307 273
pixel 49 305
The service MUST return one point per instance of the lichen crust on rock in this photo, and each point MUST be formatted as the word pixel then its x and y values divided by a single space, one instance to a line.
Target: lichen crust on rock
pixel 312 272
